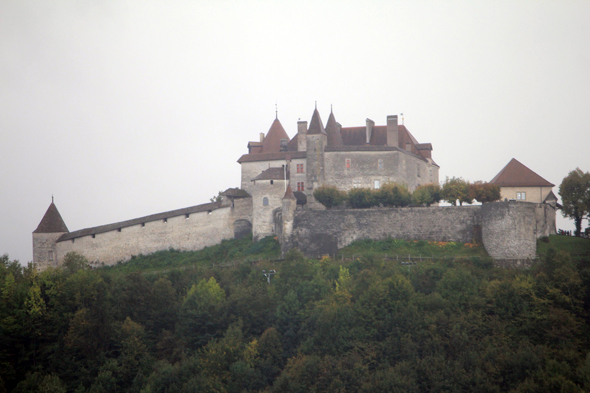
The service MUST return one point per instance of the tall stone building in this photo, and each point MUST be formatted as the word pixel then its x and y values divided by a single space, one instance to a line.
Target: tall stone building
pixel 345 157
pixel 277 171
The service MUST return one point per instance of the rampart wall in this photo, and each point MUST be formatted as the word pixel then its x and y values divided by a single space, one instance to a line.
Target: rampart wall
pixel 199 230
pixel 508 230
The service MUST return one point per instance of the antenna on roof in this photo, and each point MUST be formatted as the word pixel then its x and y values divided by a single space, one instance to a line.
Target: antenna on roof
pixel 402 119
pixel 51 198
pixel 276 111
pixel 330 108
pixel 316 105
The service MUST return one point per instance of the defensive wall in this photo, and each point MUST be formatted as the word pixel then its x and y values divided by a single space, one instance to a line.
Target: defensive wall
pixel 187 229
pixel 508 230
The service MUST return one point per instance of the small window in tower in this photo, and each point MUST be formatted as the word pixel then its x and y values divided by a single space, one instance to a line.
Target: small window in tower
pixel 431 175
pixel 272 182
pixel 73 240
pixel 348 163
pixel 118 229
pixel 165 220
pixel 265 201
pixel 143 224
pixel 299 168
pixel 418 169
pixel 93 236
pixel 50 255
pixel 187 215
pixel 300 186
pixel 380 165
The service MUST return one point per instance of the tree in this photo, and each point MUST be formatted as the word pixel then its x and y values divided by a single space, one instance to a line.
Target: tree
pixel 575 197
pixel 484 192
pixel 394 194
pixel 361 198
pixel 329 196
pixel 456 189
pixel 426 194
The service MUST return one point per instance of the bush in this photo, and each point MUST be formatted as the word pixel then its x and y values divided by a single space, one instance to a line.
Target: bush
pixel 362 198
pixel 426 194
pixel 329 196
pixel 393 194
pixel 456 189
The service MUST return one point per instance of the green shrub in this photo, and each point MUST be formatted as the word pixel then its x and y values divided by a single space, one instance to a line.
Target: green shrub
pixel 362 198
pixel 426 194
pixel 329 196
pixel 394 194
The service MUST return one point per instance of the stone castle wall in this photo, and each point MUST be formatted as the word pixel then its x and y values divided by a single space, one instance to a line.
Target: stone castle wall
pixel 384 166
pixel 508 230
pixel 199 230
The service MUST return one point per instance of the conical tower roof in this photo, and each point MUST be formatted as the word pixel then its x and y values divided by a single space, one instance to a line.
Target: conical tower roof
pixel 515 174
pixel 315 125
pixel 289 193
pixel 51 222
pixel 272 140
pixel 333 131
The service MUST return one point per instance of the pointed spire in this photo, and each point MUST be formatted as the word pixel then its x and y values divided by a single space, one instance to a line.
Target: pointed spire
pixel 272 141
pixel 276 111
pixel 333 131
pixel 51 221
pixel 289 193
pixel 315 125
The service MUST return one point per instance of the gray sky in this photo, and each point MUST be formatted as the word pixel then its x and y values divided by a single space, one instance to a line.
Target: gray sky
pixel 126 108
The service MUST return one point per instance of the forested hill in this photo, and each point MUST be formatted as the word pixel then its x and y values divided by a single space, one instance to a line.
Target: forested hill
pixel 361 322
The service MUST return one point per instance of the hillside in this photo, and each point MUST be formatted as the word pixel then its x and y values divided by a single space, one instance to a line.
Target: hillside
pixel 208 321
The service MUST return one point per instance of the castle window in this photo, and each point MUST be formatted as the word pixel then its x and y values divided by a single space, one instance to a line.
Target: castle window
pixel 165 220
pixel 430 174
pixel 521 196
pixel 377 184
pixel 356 183
pixel 73 240
pixel 50 255
pixel 143 224
pixel 118 229
pixel 348 163
pixel 418 169
pixel 93 236
pixel 300 186
pixel 380 165
pixel 299 168
pixel 272 182
pixel 187 215
pixel 265 201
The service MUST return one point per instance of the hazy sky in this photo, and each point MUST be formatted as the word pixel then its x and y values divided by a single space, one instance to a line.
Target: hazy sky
pixel 126 108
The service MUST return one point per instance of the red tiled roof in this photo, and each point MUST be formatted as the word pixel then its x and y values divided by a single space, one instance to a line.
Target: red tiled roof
pixel 51 222
pixel 271 156
pixel 272 174
pixel 272 140
pixel 515 174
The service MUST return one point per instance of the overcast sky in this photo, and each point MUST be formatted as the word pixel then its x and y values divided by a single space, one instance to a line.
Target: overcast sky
pixel 126 108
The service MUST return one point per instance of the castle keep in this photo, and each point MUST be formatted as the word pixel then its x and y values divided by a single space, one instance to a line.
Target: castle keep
pixel 275 197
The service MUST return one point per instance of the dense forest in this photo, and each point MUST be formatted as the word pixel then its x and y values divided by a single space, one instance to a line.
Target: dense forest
pixel 446 320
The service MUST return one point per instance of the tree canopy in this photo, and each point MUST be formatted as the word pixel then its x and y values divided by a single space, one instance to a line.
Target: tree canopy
pixel 575 197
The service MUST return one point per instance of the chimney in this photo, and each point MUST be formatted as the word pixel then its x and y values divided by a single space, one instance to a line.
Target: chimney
pixel 261 136
pixel 370 125
pixel 392 131
pixel 301 136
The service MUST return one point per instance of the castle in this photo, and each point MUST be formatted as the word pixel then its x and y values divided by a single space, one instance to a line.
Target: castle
pixel 266 202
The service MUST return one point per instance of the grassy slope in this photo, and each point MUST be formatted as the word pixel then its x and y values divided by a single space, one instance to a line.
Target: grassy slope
pixel 574 245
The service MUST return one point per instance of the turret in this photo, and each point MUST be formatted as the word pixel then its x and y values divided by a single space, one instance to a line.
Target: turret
pixel 316 143
pixel 45 237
